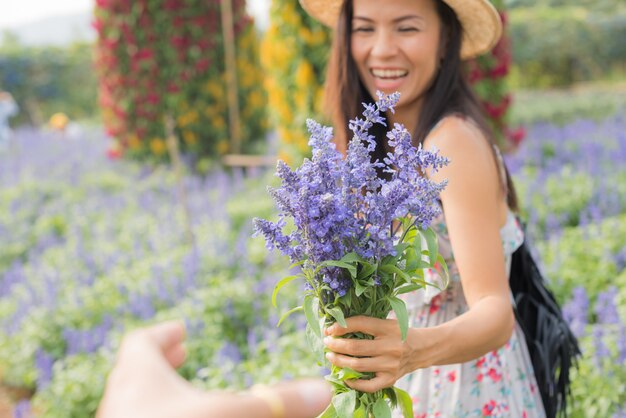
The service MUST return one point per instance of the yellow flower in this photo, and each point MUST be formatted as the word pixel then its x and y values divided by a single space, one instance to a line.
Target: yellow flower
pixel 305 75
pixel 157 146
pixel 133 141
pixel 282 155
pixel 59 121
pixel 218 122
pixel 300 98
pixel 188 118
pixel 190 137
pixel 256 99
pixel 222 146
pixel 214 88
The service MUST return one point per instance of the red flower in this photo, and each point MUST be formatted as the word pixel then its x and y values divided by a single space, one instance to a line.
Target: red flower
pixel 144 54
pixel 516 136
pixel 481 361
pixel 494 375
pixel 452 376
pixel 488 408
pixel 114 152
pixel 435 304
pixel 97 25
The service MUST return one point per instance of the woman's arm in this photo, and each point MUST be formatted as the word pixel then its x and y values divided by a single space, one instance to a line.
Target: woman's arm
pixel 475 209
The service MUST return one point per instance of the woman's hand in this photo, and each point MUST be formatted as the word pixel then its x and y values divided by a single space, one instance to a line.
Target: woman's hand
pixel 386 355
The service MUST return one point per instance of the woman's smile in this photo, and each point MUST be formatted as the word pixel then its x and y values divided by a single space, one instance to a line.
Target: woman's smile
pixel 388 79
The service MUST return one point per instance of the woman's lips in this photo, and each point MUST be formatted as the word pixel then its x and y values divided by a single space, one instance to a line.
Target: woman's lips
pixel 388 78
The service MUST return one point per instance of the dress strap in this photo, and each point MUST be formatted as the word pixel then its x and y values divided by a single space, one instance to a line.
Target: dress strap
pixel 501 167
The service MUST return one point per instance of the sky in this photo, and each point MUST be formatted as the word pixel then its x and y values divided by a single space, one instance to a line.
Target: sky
pixel 18 12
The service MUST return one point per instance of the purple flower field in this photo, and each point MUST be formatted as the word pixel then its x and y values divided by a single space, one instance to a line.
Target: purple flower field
pixel 92 247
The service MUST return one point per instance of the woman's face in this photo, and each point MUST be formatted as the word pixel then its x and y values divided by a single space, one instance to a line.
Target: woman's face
pixel 395 45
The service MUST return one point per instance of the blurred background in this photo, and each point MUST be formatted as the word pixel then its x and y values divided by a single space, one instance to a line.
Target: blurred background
pixel 137 140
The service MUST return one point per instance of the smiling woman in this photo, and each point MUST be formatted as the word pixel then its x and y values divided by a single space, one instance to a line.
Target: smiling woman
pixel 465 355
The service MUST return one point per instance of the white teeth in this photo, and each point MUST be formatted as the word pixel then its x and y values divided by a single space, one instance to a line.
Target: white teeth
pixel 389 73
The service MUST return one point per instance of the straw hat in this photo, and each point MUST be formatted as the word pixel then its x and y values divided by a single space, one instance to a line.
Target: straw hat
pixel 481 22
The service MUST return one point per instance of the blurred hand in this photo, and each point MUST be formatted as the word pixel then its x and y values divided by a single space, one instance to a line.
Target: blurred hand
pixel 144 384
pixel 386 355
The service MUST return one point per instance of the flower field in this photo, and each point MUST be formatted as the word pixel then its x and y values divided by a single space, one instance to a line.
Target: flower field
pixel 92 247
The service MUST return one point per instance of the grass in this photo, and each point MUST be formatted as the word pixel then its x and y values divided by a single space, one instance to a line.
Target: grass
pixel 594 100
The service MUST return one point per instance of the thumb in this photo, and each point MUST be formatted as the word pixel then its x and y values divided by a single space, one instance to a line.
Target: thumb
pixel 305 398
pixel 301 399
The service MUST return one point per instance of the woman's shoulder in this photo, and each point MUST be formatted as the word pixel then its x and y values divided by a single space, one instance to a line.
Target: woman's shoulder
pixel 459 137
pixel 456 130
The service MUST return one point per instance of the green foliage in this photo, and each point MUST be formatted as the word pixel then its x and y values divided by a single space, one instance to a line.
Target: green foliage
pixel 48 80
pixel 561 45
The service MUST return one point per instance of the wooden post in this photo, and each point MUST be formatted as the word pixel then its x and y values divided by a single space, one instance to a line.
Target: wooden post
pixel 231 75
pixel 174 152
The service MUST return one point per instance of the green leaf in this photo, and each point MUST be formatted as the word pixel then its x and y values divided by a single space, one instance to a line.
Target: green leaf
pixel 359 288
pixel 289 312
pixel 279 286
pixel 317 346
pixel 350 267
pixel 366 270
pixel 329 412
pixel 399 308
pixel 336 313
pixel 408 288
pixel 344 404
pixel 347 373
pixel 351 258
pixel 404 402
pixel 381 409
pixel 311 317
pixel 443 264
pixel 360 412
pixel 392 268
pixel 433 245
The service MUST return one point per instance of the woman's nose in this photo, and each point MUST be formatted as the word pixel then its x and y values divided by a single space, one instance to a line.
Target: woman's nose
pixel 384 45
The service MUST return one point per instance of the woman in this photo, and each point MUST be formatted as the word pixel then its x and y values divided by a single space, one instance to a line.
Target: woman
pixel 464 355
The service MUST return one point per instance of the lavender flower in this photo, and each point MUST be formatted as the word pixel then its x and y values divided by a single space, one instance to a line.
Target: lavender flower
pixel 576 310
pixel 341 205
pixel 605 307
pixel 341 216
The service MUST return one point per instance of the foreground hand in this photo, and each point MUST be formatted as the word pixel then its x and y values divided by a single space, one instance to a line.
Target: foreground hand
pixel 386 355
pixel 143 384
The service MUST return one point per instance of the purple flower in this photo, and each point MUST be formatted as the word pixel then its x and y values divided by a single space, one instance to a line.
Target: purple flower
pixel 339 206
pixel 605 307
pixel 22 409
pixel 575 311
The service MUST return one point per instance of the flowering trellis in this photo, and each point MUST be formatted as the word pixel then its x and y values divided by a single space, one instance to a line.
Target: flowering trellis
pixel 294 54
pixel 165 57
pixel 487 74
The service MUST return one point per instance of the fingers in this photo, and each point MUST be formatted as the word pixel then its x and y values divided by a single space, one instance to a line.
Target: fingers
pixel 299 399
pixel 354 347
pixel 365 324
pixel 166 334
pixel 161 340
pixel 363 365
pixel 381 381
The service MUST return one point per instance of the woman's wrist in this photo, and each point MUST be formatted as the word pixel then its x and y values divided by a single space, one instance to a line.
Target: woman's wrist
pixel 426 347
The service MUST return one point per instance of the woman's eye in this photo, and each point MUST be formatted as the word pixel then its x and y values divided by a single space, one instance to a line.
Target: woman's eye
pixel 408 29
pixel 363 29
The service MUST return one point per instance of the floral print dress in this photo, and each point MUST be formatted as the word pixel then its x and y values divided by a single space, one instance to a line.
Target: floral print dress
pixel 498 384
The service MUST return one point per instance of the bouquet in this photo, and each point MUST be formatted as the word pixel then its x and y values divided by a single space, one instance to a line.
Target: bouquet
pixel 361 239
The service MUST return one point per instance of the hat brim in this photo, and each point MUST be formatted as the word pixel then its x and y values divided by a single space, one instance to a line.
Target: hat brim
pixel 482 26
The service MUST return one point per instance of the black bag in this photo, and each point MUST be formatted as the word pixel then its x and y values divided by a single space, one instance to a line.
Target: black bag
pixel 552 346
